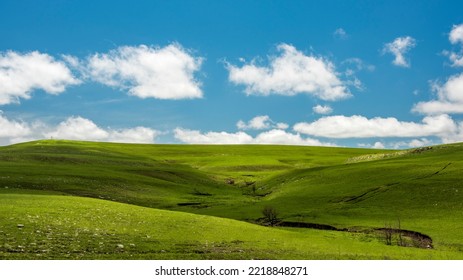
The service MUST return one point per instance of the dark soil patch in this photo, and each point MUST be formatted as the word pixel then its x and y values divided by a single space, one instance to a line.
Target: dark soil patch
pixel 417 239
pixel 189 203
pixel 200 193
pixel 308 225
pixel 410 238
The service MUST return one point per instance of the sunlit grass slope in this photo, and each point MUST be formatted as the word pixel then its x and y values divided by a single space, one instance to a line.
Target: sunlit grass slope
pixel 353 189
pixel 423 189
pixel 64 227
pixel 154 175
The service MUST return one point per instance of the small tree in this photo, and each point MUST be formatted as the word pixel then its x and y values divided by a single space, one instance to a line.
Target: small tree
pixel 270 215
pixel 388 231
pixel 395 234
pixel 400 240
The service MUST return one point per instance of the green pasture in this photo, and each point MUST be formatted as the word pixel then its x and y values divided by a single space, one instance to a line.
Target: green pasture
pixel 90 200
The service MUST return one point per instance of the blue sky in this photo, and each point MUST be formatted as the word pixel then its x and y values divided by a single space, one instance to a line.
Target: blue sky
pixel 346 73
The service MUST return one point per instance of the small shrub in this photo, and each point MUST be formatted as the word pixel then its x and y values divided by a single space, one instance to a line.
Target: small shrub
pixel 270 215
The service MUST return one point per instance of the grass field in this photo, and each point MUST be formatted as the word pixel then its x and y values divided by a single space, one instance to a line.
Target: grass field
pixel 88 200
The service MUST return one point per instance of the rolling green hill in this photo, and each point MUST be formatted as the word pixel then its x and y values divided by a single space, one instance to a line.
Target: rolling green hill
pixel 61 199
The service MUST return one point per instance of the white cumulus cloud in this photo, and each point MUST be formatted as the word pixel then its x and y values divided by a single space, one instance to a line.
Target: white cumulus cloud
pixel 73 128
pixel 449 98
pixel 456 59
pixel 281 137
pixel 414 143
pixel 78 128
pixel 138 134
pixel 323 110
pixel 456 34
pixel 419 143
pixel 22 73
pixel 291 73
pixel 257 123
pixel 456 38
pixel 449 94
pixel 378 145
pixel 362 127
pixel 260 123
pixel 456 137
pixel 162 73
pixel 399 47
pixel 12 131
pixel 274 136
pixel 196 137
pixel 281 125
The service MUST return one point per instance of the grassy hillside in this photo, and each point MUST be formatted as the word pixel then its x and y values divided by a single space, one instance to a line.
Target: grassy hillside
pixel 63 227
pixel 357 190
pixel 155 175
pixel 422 190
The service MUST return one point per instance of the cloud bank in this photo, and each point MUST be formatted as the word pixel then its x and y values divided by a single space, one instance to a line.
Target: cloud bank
pixel 73 128
pixel 78 128
pixel 331 127
pixel 362 127
pixel 274 136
